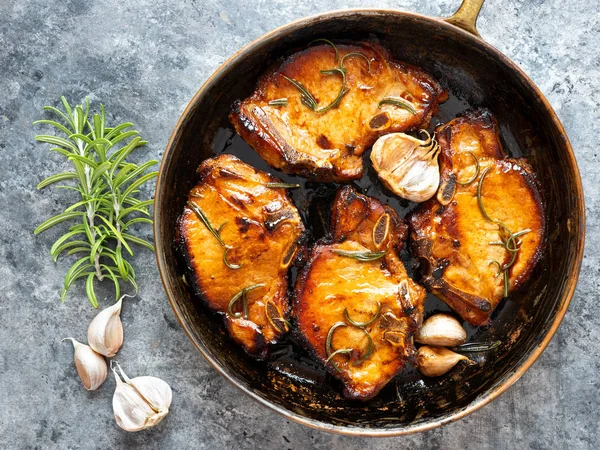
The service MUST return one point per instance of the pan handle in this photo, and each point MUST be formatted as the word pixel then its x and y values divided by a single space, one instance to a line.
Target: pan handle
pixel 466 16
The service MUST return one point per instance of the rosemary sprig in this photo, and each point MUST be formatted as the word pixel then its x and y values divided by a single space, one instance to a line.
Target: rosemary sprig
pixel 216 233
pixel 360 256
pixel 279 102
pixel 282 185
pixel 362 324
pixel 509 240
pixel 202 216
pixel 305 96
pixel 241 295
pixel 474 177
pixel 327 41
pixel 369 351
pixel 107 185
pixel 396 101
pixel 477 346
pixel 331 352
pixel 309 100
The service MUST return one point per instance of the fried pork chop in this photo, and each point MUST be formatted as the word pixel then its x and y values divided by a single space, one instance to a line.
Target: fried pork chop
pixel 464 259
pixel 328 146
pixel 239 236
pixel 366 309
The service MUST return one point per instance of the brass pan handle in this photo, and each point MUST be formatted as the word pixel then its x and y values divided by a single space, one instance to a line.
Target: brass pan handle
pixel 466 16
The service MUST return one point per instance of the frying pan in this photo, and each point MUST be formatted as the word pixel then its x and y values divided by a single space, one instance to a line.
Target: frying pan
pixel 476 75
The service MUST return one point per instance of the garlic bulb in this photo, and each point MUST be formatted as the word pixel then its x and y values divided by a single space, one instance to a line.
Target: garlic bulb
pixel 442 330
pixel 407 166
pixel 91 367
pixel 436 361
pixel 105 333
pixel 141 402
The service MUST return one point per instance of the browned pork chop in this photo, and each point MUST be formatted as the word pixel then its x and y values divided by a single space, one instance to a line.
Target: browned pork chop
pixel 460 249
pixel 328 146
pixel 240 270
pixel 370 308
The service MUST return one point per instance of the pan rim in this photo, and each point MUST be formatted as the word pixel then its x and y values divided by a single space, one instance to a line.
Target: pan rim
pixel 485 398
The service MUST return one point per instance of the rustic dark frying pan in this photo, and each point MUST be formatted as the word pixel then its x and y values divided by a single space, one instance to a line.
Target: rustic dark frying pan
pixel 475 74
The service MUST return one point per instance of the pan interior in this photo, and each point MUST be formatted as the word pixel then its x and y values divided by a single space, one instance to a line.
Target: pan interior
pixel 475 77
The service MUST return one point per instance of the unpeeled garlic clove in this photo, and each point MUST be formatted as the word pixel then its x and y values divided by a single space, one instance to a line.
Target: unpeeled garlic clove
pixel 436 361
pixel 91 366
pixel 441 330
pixel 408 166
pixel 105 333
pixel 140 402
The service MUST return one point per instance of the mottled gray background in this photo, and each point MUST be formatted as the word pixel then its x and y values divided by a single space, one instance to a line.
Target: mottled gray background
pixel 144 60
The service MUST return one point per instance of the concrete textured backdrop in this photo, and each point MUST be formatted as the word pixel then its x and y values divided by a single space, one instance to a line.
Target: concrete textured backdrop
pixel 144 60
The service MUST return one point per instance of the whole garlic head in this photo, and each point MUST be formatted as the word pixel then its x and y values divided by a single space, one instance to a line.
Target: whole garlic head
pixel 91 366
pixel 407 166
pixel 140 402
pixel 441 330
pixel 105 333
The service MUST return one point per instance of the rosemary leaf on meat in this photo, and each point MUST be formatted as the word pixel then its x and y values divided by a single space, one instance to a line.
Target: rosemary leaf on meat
pixel 396 101
pixel 327 41
pixel 474 177
pixel 279 102
pixel 331 352
pixel 362 324
pixel 309 100
pixel 216 233
pixel 107 186
pixel 241 295
pixel 360 256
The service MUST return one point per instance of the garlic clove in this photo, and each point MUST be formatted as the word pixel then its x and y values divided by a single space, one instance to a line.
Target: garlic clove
pixel 408 166
pixel 436 361
pixel 91 366
pixel 130 409
pixel 441 330
pixel 105 333
pixel 141 402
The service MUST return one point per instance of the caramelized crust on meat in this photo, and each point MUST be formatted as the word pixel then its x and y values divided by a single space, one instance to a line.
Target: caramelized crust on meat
pixel 452 237
pixel 262 227
pixel 329 146
pixel 331 283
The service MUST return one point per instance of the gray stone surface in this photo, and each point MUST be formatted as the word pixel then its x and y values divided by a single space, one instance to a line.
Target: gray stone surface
pixel 144 60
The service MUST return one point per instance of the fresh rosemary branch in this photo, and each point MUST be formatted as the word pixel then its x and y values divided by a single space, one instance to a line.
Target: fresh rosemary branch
pixel 108 205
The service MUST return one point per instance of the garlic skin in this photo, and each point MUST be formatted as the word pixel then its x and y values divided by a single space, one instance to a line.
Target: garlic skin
pixel 91 366
pixel 436 361
pixel 441 330
pixel 140 402
pixel 407 166
pixel 105 333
